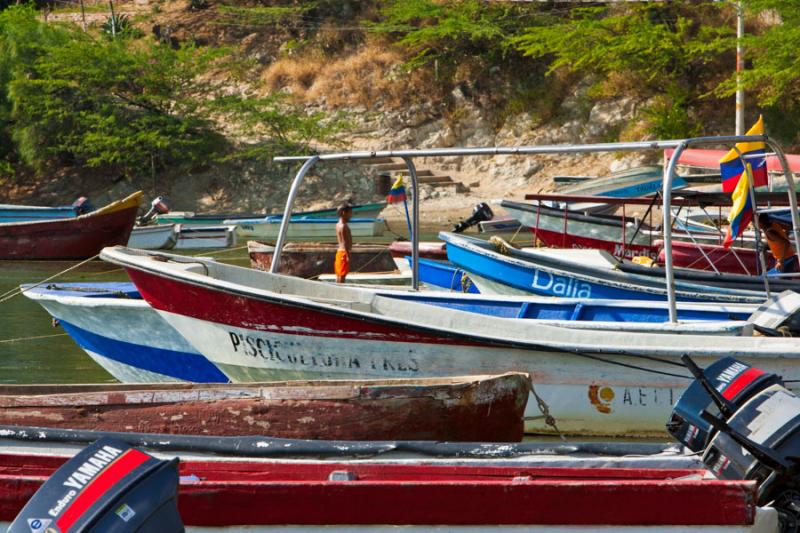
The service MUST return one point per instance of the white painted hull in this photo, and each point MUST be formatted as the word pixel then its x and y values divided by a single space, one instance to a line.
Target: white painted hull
pixel 195 237
pixel 585 397
pixel 154 237
pixel 257 326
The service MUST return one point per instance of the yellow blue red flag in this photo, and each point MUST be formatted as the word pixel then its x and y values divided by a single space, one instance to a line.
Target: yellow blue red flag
pixel 742 211
pixel 732 168
pixel 398 191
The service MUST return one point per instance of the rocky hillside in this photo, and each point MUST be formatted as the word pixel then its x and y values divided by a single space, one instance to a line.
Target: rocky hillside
pixel 397 79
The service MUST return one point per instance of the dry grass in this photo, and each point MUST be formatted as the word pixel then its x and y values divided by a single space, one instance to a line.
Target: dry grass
pixel 370 76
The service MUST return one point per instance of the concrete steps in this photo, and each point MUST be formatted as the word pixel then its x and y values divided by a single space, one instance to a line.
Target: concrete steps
pixel 427 178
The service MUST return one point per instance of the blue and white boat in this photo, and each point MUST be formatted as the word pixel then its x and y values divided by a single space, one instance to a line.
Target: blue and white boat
pixel 123 334
pixel 571 273
pixel 444 275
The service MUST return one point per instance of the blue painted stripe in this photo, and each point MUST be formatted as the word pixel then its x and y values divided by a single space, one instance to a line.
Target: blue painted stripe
pixel 179 365
pixel 442 274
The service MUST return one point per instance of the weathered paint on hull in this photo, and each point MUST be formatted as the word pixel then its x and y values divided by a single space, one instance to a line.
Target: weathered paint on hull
pixel 483 408
pixel 221 493
pixel 69 238
pixel 309 229
pixel 312 259
pixel 128 339
pixel 154 237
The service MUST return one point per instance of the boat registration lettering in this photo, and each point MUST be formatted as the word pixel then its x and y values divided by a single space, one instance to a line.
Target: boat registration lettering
pixel 270 350
pixel 560 285
pixel 605 398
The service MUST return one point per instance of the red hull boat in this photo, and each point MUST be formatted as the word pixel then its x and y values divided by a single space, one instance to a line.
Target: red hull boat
pixel 470 408
pixel 427 250
pixel 70 238
pixel 689 255
pixel 228 493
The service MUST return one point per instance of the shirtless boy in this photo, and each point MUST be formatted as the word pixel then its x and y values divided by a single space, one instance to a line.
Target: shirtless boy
pixel 342 265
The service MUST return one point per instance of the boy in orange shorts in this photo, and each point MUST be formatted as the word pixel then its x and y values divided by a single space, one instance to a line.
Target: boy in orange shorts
pixel 341 267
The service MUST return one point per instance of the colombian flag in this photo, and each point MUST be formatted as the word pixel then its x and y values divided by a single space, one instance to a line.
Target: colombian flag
pixel 397 192
pixel 731 166
pixel 742 211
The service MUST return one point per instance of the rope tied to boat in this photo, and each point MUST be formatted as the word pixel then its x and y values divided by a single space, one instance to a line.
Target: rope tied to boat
pixel 19 290
pixel 549 419
pixel 20 339
pixel 501 245
pixel 466 282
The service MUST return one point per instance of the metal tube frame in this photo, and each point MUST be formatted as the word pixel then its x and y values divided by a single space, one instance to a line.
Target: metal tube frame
pixel 679 145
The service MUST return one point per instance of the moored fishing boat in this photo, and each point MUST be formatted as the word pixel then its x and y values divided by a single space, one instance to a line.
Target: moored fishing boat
pixel 305 228
pixel 499 269
pixel 29 213
pixel 260 326
pixel 371 210
pixel 122 333
pixel 196 237
pixel 428 250
pixel 162 237
pixel 78 237
pixel 309 260
pixel 470 408
pixel 422 497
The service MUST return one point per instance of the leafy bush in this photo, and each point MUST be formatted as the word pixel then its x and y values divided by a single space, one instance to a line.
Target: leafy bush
pixel 128 106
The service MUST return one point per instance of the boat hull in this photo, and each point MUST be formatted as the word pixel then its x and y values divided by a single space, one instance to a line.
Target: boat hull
pixel 547 273
pixel 29 213
pixel 154 237
pixel 468 409
pixel 688 255
pixel 349 496
pixel 313 259
pixel 70 238
pixel 187 217
pixel 198 237
pixel 126 337
pixel 313 229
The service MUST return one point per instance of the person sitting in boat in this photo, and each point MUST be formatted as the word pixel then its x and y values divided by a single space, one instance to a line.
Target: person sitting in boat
pixel 341 266
pixel 779 244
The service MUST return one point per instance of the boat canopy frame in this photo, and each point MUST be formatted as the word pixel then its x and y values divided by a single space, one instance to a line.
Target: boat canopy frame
pixel 678 146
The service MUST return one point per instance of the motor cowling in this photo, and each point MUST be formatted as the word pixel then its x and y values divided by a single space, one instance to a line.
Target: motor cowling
pixel 480 213
pixel 107 487
pixel 749 426
pixel 736 381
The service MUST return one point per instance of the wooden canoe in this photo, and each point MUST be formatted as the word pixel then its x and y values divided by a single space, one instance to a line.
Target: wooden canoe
pixel 70 238
pixel 472 408
pixel 216 493
pixel 310 260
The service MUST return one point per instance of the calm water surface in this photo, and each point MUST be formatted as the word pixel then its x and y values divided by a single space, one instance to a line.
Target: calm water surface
pixel 53 358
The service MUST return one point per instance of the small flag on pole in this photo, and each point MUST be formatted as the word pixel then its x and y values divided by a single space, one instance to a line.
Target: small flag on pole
pixel 732 167
pixel 398 191
pixel 742 211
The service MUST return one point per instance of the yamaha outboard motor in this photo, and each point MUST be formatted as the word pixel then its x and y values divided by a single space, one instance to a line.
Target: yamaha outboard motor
pixel 107 487
pixel 157 207
pixel 737 382
pixel 480 213
pixel 753 437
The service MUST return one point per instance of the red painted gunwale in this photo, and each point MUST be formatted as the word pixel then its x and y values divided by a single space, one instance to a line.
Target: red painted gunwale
pixel 558 239
pixel 216 305
pixel 223 493
pixel 687 254
pixel 427 250
pixel 70 238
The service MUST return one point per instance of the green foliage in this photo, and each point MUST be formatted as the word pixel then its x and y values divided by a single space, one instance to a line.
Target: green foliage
pixel 263 15
pixel 130 105
pixel 447 33
pixel 669 115
pixel 117 25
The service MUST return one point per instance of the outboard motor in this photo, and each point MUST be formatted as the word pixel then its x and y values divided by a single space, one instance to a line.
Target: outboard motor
pixel 107 487
pixel 737 382
pixel 480 213
pixel 83 205
pixel 757 438
pixel 157 207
